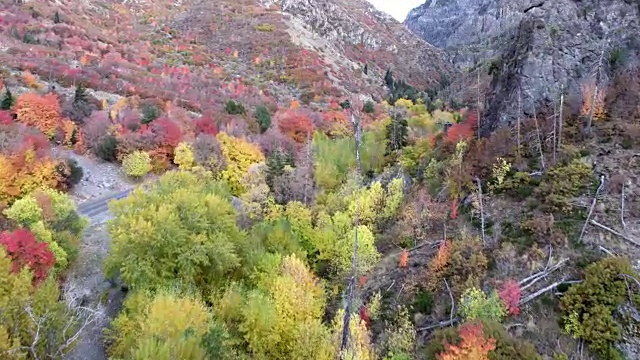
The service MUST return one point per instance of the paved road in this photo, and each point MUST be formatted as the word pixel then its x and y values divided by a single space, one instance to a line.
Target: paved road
pixel 96 207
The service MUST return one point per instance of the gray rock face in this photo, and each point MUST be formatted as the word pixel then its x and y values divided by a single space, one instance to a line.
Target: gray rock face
pixel 536 47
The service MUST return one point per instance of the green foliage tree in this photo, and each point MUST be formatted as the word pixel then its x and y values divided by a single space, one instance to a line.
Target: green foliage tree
pixel 181 230
pixel 149 114
pixel 106 149
pixel 400 337
pixel 163 326
pixel 34 324
pixel 234 108
pixel 396 133
pixel 369 107
pixel 562 183
pixel 7 100
pixel 137 164
pixel 476 305
pixel 587 308
pixel 52 218
pixel 263 117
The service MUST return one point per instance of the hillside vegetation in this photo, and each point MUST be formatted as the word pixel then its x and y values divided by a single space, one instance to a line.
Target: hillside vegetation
pixel 283 215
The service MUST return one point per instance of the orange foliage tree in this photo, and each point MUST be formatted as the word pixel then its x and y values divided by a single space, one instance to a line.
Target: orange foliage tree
pixel 589 100
pixel 296 125
pixel 41 112
pixel 473 344
pixel 439 263
pixel 23 173
pixel 404 259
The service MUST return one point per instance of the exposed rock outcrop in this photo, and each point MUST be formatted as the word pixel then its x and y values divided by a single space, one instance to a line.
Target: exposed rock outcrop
pixel 536 47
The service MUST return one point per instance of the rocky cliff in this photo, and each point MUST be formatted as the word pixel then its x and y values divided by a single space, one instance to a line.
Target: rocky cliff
pixel 535 47
pixel 353 31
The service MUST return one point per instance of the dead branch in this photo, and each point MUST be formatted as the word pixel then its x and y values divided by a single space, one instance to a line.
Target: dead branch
pixel 429 244
pixel 606 251
pixel 593 205
pixel 527 282
pixel 630 278
pixel 615 232
pixel 390 286
pixel 453 303
pixel 545 289
pixel 440 324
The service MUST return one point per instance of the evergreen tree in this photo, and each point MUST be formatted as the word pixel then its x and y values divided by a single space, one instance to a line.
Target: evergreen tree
pixel 56 18
pixel 345 104
pixel 80 96
pixel 263 117
pixel 276 162
pixel 396 133
pixel 7 100
pixel 388 79
pixel 366 69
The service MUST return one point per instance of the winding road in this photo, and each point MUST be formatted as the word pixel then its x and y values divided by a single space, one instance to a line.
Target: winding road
pixel 98 206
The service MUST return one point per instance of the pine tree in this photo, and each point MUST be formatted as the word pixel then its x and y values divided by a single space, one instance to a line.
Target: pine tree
pixel 396 133
pixel 388 79
pixel 56 18
pixel 366 69
pixel 80 96
pixel 7 100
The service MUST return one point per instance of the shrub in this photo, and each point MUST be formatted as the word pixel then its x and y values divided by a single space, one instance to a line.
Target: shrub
pixel 149 113
pixel 183 156
pixel 72 174
pixel 266 27
pixel 423 302
pixel 369 107
pixel 234 108
pixel 263 117
pixel 106 148
pixel 137 164
pixel 561 184
pixel 588 307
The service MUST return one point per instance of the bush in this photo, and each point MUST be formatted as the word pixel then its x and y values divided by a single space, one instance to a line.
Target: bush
pixel 561 184
pixel 266 27
pixel 183 156
pixel 423 302
pixel 588 307
pixel 149 113
pixel 71 172
pixel 369 107
pixel 263 117
pixel 106 149
pixel 474 304
pixel 234 108
pixel 137 164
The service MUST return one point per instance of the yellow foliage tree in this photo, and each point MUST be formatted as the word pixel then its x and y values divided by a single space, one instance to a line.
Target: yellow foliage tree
pixel 161 327
pixel 137 164
pixel 360 340
pixel 239 155
pixel 183 156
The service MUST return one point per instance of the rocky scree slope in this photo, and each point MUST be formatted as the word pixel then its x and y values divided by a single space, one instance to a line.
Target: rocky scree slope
pixel 535 47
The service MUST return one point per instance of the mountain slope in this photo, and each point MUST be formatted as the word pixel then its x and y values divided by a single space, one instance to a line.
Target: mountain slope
pixel 198 52
pixel 535 47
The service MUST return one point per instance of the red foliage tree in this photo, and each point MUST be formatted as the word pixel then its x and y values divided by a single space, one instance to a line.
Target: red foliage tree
pixel 25 250
pixel 473 344
pixel 5 117
pixel 168 132
pixel 206 125
pixel 510 294
pixel 296 125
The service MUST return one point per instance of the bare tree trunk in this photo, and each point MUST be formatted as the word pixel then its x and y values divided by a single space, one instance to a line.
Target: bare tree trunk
pixel 535 119
pixel 593 205
pixel 351 290
pixel 595 91
pixel 555 122
pixel 484 242
pixel 561 119
pixel 518 120
pixel 478 105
